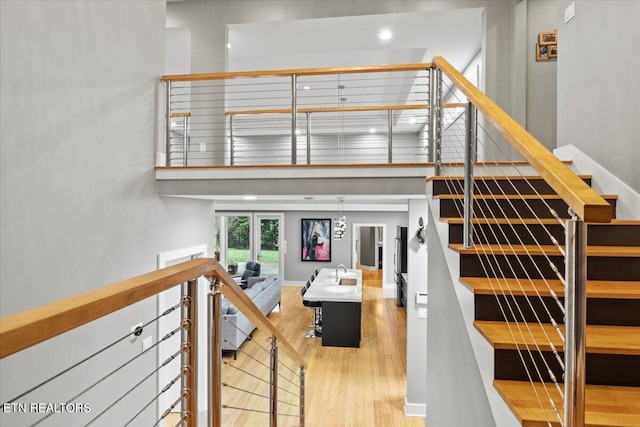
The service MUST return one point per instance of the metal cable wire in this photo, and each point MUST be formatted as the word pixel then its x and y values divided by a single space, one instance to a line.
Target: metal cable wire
pixel 257 394
pixel 167 336
pixel 504 315
pixel 164 389
pixel 169 409
pixel 552 239
pixel 528 254
pixel 166 312
pixel 256 377
pixel 166 362
pixel 549 371
pixel 258 411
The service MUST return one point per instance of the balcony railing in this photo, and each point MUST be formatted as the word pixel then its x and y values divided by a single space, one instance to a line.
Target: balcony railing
pixel 376 114
pixel 114 385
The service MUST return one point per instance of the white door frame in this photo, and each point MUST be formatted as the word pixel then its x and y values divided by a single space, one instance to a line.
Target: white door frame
pixel 354 238
pixel 256 236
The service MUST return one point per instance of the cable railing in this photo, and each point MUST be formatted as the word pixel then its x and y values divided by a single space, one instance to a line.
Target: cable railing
pixel 373 114
pixel 166 383
pixel 526 239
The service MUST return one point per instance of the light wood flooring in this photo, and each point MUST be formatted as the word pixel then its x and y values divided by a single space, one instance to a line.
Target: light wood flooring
pixel 344 386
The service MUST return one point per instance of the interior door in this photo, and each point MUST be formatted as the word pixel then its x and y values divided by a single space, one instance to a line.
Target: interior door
pixel 268 244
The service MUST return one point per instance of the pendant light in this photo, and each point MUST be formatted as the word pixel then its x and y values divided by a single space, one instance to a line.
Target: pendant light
pixel 340 222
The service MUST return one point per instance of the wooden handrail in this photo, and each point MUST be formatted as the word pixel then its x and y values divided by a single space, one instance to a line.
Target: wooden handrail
pixel 27 328
pixel 341 109
pixel 30 327
pixel 298 72
pixel 243 303
pixel 587 204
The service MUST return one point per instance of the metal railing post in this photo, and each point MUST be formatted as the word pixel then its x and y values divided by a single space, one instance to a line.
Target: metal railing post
pixel 432 115
pixel 390 124
pixel 167 160
pixel 214 415
pixel 231 142
pixel 185 140
pixel 438 123
pixel 294 114
pixel 189 357
pixel 302 396
pixel 273 383
pixel 575 322
pixel 308 138
pixel 470 137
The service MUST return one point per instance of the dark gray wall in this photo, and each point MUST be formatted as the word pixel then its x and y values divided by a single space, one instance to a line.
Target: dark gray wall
pixel 79 207
pixel 368 246
pixel 598 85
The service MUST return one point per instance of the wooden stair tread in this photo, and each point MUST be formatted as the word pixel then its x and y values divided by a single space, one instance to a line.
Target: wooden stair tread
pixel 551 250
pixel 604 405
pixel 610 289
pixel 514 196
pixel 495 177
pixel 527 221
pixel 531 221
pixel 603 339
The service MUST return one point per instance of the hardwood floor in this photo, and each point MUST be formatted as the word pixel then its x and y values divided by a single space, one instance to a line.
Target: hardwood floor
pixel 371 278
pixel 344 386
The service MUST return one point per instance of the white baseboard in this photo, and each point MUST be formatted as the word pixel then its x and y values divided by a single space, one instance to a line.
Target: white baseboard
pixel 604 182
pixel 415 409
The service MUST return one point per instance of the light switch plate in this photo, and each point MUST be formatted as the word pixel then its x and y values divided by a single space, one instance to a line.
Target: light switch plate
pixel 203 148
pixel 570 12
pixel 422 313
pixel 147 343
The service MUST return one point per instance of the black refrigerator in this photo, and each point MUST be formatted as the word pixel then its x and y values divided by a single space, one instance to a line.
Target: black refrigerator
pixel 400 266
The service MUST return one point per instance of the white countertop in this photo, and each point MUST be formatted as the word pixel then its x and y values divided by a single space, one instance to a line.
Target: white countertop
pixel 325 287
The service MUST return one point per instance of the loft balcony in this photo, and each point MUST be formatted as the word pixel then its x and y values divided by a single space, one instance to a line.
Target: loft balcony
pixel 351 125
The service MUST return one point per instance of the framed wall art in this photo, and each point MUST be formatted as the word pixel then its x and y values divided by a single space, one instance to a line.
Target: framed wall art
pixel 542 52
pixel 548 37
pixel 316 239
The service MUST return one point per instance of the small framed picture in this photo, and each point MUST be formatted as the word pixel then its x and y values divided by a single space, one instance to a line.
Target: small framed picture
pixel 542 52
pixel 548 37
pixel 553 51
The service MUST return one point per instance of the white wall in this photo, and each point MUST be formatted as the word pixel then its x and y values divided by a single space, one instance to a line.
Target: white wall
pixel 416 399
pixel 598 85
pixel 79 207
pixel 542 15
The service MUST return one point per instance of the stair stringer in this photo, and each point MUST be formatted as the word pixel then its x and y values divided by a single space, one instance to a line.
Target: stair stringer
pixel 451 315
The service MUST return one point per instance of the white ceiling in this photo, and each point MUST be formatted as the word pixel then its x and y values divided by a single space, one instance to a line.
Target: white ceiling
pixel 347 41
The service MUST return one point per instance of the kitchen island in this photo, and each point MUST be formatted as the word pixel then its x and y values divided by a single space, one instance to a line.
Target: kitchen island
pixel 340 292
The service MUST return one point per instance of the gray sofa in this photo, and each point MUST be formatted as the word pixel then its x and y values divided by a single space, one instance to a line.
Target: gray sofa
pixel 265 293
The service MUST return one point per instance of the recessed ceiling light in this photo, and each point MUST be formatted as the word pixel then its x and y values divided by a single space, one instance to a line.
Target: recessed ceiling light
pixel 306 87
pixel 297 131
pixel 412 120
pixel 385 35
pixel 372 130
pixel 228 45
pixel 249 197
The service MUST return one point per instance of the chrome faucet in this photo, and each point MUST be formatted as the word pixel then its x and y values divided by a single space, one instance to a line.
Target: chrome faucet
pixel 343 266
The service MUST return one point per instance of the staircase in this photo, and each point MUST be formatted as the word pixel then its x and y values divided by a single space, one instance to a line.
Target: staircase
pixel 510 262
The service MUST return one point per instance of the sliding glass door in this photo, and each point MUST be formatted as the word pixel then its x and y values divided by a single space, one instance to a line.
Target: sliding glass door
pixel 268 244
pixel 250 237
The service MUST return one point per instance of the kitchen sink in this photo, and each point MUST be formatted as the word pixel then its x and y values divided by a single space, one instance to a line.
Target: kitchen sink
pixel 348 281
